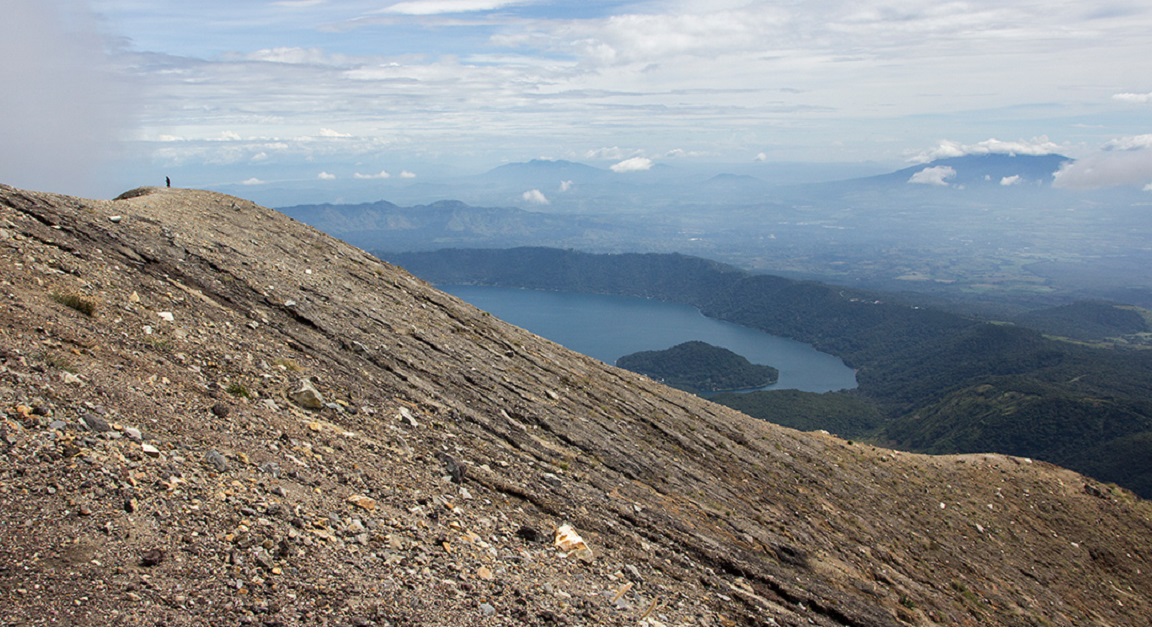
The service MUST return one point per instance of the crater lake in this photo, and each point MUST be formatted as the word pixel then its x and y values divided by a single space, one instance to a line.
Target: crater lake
pixel 607 327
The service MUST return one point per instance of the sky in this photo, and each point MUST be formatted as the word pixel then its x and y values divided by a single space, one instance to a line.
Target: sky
pixel 106 95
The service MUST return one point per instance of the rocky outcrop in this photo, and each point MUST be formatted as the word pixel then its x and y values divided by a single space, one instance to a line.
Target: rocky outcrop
pixel 458 471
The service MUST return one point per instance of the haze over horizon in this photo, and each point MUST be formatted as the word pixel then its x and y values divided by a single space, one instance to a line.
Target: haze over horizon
pixel 110 94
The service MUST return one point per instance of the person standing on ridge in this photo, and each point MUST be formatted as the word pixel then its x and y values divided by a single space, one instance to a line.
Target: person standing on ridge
pixel 168 182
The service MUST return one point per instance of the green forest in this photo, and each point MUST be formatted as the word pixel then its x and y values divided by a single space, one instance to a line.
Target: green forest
pixel 929 380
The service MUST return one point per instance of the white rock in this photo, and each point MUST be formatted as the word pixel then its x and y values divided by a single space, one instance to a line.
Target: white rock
pixel 166 316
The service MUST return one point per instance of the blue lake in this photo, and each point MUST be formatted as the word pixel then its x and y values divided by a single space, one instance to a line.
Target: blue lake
pixel 607 327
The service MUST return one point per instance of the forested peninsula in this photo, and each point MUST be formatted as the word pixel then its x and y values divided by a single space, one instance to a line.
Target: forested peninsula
pixel 699 367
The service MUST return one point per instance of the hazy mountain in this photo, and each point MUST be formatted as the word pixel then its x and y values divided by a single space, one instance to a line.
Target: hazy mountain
pixel 984 170
pixel 215 415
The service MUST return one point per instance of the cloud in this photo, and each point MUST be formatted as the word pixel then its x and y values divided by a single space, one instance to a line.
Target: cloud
pixel 407 175
pixel 608 153
pixel 324 175
pixel 935 176
pixel 65 105
pixel 1140 98
pixel 382 175
pixel 436 7
pixel 251 182
pixel 1122 162
pixel 1130 143
pixel 565 185
pixel 950 149
pixel 760 157
pixel 332 133
pixel 632 164
pixel 1008 181
pixel 534 197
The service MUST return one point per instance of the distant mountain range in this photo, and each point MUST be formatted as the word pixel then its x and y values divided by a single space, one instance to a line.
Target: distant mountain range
pixel 976 170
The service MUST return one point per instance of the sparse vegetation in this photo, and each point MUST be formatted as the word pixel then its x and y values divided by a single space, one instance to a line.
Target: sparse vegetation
pixel 288 364
pixel 238 390
pixel 83 303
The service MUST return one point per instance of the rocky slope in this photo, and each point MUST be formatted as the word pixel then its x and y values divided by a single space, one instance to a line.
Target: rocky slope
pixel 157 465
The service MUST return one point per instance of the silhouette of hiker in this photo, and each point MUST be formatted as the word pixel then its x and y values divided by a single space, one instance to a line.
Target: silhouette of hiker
pixel 167 181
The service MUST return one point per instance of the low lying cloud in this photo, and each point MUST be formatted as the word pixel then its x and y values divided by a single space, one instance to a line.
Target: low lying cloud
pixel 934 176
pixel 1123 162
pixel 252 182
pixel 1139 98
pixel 534 197
pixel 407 175
pixel 608 153
pixel 1008 181
pixel 382 175
pixel 632 164
pixel 950 149
pixel 437 7
pixel 65 106
pixel 324 175
pixel 565 185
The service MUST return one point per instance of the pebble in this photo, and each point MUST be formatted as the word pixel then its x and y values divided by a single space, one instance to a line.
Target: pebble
pixel 216 460
pixel 307 396
pixel 150 450
pixel 133 434
pixel 487 609
pixel 95 422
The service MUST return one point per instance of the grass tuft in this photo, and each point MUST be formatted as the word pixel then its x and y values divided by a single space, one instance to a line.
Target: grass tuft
pixel 78 301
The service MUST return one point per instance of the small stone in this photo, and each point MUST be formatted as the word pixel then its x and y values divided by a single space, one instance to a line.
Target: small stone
pixel 115 218
pixel 150 450
pixel 364 502
pixel 220 410
pixel 152 558
pixel 270 404
pixel 70 378
pixel 531 534
pixel 484 573
pixel 307 396
pixel 216 460
pixel 134 298
pixel 487 609
pixel 166 316
pixel 95 422
pixel 134 434
pixel 407 416
pixel 131 505
pixel 264 559
pixel 454 467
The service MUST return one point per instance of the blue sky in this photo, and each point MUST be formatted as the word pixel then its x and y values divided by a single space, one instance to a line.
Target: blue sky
pixel 116 93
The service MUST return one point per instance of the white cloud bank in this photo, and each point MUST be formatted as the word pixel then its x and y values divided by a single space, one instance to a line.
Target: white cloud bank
pixel 382 175
pixel 64 107
pixel 632 164
pixel 437 7
pixel 324 175
pixel 1139 98
pixel 1123 162
pixel 950 149
pixel 534 197
pixel 934 176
